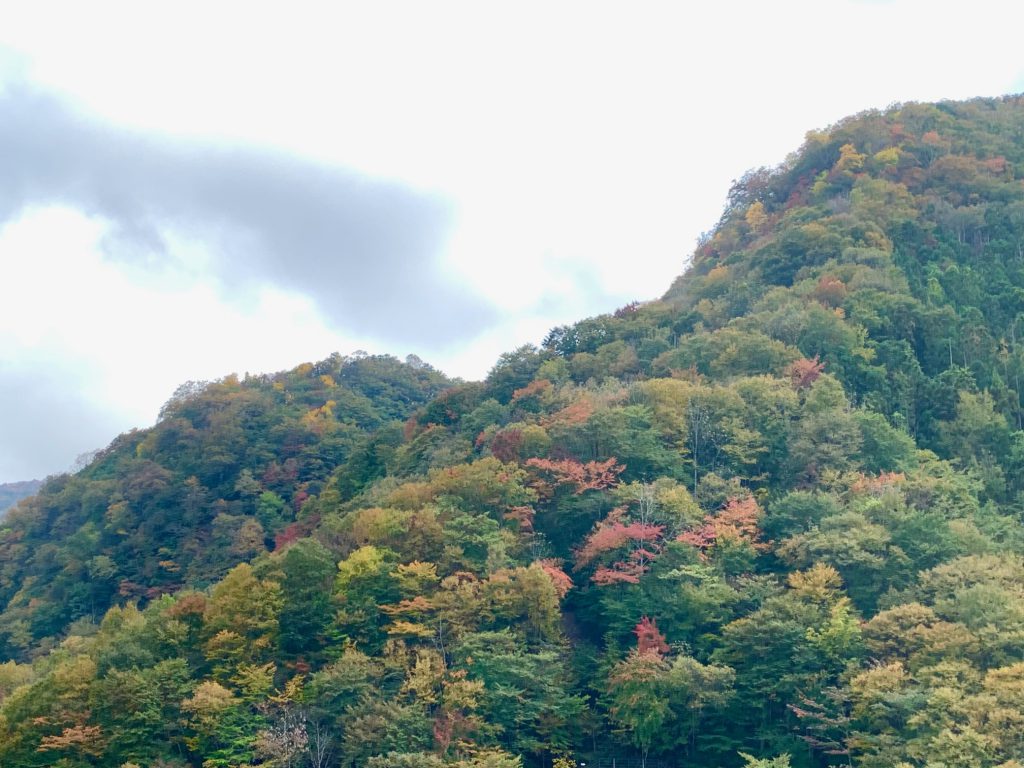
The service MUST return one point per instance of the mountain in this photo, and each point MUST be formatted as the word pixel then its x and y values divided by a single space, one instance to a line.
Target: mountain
pixel 12 493
pixel 225 472
pixel 772 518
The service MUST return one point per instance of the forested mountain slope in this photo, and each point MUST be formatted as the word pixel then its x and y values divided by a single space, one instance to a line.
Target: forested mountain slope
pixel 225 473
pixel 776 512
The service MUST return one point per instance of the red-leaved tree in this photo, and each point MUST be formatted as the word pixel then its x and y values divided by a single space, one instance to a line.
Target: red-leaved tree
pixel 558 577
pixel 548 475
pixel 804 372
pixel 737 520
pixel 649 639
pixel 613 534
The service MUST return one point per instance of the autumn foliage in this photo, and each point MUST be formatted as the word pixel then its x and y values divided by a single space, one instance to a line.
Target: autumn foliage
pixel 612 535
pixel 804 372
pixel 593 476
pixel 561 580
pixel 505 444
pixel 736 521
pixel 77 739
pixel 649 639
pixel 877 484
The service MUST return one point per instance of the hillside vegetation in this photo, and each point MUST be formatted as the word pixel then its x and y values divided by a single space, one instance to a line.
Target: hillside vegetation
pixel 771 519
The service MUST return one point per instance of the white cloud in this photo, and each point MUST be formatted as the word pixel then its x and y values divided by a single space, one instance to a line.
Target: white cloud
pixel 127 337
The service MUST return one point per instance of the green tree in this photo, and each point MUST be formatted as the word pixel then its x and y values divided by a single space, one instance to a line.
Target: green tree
pixel 308 570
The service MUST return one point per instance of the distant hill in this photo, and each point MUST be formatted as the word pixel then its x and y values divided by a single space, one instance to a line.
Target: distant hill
pixel 224 473
pixel 773 518
pixel 12 493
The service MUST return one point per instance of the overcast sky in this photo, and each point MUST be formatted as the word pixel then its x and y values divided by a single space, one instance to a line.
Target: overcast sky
pixel 207 188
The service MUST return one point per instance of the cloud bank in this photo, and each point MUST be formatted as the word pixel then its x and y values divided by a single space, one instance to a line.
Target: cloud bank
pixel 366 250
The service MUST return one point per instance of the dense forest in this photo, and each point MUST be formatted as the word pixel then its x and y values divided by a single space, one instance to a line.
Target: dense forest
pixel 771 519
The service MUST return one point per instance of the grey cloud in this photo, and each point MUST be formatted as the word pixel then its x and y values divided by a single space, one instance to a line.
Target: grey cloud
pixel 45 424
pixel 365 250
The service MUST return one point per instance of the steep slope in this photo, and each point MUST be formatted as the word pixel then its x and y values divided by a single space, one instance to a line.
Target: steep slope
pixel 907 226
pixel 776 511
